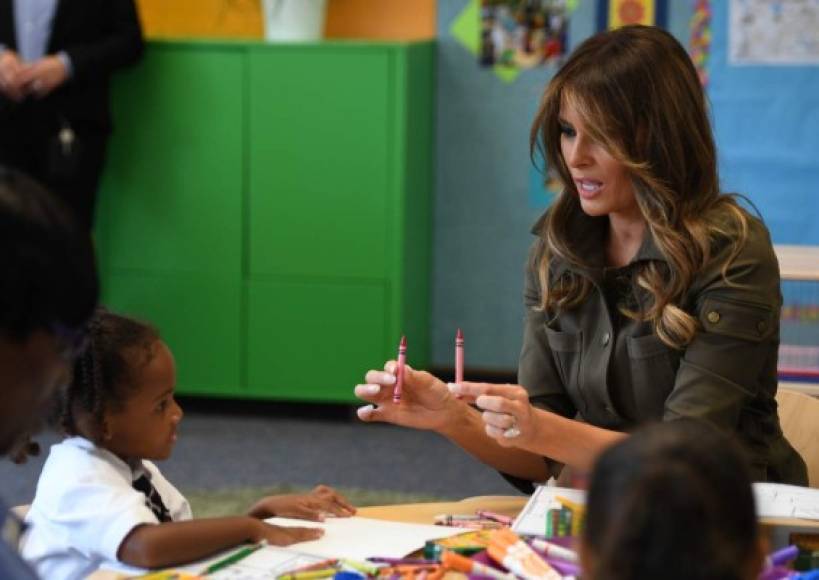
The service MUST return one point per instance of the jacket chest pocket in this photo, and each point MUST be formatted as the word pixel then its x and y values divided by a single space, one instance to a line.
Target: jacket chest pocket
pixel 566 348
pixel 653 372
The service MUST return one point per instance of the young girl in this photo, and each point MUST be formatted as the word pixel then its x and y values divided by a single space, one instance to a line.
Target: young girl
pixel 100 503
pixel 672 501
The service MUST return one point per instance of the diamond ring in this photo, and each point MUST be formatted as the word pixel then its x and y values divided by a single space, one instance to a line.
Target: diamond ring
pixel 512 432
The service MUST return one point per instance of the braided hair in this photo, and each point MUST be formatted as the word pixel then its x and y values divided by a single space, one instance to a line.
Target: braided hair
pixel 673 501
pixel 104 373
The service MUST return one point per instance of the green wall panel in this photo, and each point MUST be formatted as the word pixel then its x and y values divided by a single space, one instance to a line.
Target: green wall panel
pixel 313 340
pixel 197 316
pixel 320 134
pixel 171 198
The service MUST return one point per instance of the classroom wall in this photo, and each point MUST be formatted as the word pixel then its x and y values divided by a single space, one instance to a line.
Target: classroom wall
pixel 766 123
pixel 370 19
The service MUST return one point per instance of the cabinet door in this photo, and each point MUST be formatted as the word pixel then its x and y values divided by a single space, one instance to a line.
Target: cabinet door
pixel 170 231
pixel 313 341
pixel 320 163
pixel 321 197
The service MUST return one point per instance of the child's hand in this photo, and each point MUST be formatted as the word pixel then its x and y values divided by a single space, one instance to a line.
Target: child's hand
pixel 281 536
pixel 309 506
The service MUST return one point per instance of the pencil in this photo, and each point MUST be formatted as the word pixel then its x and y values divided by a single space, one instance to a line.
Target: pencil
pixel 233 558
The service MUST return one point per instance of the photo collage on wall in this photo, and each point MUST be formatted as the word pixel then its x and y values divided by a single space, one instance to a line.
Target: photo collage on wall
pixel 523 34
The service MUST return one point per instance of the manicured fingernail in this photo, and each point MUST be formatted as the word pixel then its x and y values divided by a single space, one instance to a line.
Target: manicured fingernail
pixel 365 411
pixel 388 379
pixel 371 389
pixel 454 388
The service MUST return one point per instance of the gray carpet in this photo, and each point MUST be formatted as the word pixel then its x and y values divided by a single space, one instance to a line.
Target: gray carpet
pixel 301 446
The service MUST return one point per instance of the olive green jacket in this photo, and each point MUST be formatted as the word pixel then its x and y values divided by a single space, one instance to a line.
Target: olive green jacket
pixel 595 364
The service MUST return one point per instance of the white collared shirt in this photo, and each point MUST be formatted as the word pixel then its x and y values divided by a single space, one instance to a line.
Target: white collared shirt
pixel 84 508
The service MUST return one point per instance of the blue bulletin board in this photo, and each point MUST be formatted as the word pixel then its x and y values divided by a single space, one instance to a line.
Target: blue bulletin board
pixel 766 121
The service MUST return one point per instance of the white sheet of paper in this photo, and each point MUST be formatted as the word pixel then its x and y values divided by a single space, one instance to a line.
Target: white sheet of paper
pixel 265 563
pixel 531 521
pixel 777 500
pixel 358 538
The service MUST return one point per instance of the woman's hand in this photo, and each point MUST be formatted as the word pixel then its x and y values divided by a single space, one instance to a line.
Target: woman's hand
pixel 426 403
pixel 508 416
pixel 309 506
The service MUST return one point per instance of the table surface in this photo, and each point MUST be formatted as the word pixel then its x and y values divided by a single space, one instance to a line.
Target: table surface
pixel 424 513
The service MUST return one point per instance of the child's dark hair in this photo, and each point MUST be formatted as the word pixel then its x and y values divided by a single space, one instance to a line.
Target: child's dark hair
pixel 104 372
pixel 673 501
pixel 48 273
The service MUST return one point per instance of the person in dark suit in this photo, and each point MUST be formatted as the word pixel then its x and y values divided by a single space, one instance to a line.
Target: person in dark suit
pixel 56 59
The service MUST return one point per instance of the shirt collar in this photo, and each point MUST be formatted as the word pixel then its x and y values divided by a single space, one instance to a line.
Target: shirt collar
pixel 129 471
pixel 587 236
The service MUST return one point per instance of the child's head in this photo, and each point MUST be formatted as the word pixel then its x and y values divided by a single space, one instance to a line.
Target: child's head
pixel 122 392
pixel 673 501
pixel 48 289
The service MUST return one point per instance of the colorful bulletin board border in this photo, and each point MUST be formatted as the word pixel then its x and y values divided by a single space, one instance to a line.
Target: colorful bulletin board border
pixel 701 38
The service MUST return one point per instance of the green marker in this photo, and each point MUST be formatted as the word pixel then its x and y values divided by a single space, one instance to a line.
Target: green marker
pixel 233 558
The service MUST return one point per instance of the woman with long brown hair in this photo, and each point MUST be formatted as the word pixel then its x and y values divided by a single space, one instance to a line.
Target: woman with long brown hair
pixel 650 294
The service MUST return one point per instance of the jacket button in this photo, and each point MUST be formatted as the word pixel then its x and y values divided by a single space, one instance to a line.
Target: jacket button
pixel 604 340
pixel 762 326
pixel 713 317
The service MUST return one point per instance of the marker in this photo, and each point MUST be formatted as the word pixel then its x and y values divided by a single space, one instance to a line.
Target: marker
pixel 399 372
pixel 468 566
pixel 564 568
pixel 554 551
pixel 366 568
pixel 402 561
pixel 512 553
pixel 459 359
pixel 505 520
pixel 572 505
pixel 782 556
pixel 447 519
pixel 233 558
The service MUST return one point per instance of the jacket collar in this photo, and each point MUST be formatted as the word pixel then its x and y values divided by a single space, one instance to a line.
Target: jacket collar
pixel 587 237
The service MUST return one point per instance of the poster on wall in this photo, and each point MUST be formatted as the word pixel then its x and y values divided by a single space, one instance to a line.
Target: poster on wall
pixel 774 32
pixel 613 14
pixel 523 34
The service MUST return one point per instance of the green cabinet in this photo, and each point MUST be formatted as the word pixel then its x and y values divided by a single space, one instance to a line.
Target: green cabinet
pixel 268 208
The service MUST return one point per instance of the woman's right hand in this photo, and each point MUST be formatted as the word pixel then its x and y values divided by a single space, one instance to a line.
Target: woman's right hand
pixel 426 403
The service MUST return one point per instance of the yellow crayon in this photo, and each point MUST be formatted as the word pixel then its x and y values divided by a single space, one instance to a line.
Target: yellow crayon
pixel 309 575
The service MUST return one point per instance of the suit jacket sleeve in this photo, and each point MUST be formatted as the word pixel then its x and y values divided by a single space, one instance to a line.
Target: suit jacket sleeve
pixel 120 43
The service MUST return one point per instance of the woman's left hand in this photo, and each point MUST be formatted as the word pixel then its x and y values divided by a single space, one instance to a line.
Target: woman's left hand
pixel 322 500
pixel 508 416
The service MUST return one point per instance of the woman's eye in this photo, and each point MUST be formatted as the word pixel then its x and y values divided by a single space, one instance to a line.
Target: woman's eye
pixel 567 130
pixel 162 406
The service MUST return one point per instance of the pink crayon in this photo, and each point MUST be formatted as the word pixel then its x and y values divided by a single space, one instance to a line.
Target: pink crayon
pixel 399 372
pixel 459 358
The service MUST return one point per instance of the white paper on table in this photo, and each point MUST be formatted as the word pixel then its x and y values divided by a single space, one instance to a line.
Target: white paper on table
pixel 777 500
pixel 358 538
pixel 266 563
pixel 531 521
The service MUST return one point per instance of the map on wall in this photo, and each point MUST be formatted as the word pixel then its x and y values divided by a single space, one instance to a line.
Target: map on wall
pixel 774 32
